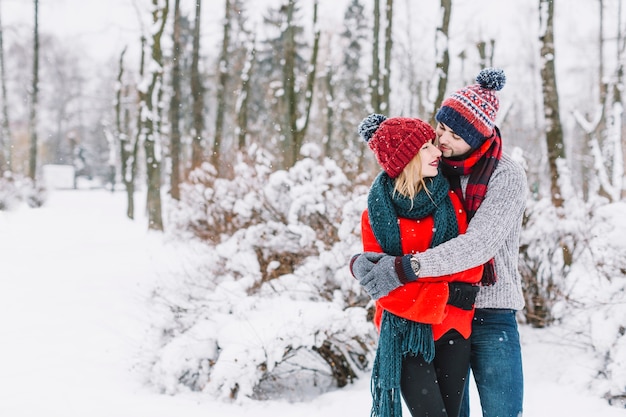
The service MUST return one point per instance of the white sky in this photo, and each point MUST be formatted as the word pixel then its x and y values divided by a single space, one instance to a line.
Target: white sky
pixel 100 28
pixel 103 27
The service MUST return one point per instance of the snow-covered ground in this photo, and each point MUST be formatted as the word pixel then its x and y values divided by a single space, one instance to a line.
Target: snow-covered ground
pixel 75 282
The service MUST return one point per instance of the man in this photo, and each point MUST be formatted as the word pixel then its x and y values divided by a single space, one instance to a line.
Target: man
pixel 494 188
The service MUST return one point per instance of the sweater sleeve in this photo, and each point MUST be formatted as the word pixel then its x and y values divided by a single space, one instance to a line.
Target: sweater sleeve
pixel 494 220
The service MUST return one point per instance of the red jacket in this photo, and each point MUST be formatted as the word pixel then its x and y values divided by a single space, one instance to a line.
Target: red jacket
pixel 424 300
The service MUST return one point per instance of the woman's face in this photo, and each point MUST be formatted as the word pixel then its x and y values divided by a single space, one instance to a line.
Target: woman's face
pixel 430 156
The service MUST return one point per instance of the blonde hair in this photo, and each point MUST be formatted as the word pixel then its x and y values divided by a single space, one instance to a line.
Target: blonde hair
pixel 410 181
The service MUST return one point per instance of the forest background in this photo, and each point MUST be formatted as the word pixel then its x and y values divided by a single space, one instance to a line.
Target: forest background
pixel 238 119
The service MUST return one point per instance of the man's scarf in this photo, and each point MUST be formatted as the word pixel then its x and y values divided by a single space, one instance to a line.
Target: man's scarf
pixel 400 337
pixel 479 165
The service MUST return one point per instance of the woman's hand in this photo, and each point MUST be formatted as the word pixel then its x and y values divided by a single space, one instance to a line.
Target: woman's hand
pixel 379 273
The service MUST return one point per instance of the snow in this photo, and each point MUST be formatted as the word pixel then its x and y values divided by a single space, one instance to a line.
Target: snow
pixel 77 316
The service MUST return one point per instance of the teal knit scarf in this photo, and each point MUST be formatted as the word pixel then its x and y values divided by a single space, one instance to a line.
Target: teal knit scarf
pixel 400 337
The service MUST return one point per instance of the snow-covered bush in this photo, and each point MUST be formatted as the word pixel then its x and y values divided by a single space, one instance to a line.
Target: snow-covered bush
pixel 574 273
pixel 597 304
pixel 266 307
pixel 276 312
pixel 551 243
pixel 16 189
pixel 213 207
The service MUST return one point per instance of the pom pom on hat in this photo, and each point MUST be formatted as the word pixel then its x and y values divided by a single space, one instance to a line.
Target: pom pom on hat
pixel 368 126
pixel 491 78
pixel 471 111
pixel 395 141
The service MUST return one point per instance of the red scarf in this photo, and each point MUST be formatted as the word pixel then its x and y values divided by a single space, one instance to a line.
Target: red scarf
pixel 479 165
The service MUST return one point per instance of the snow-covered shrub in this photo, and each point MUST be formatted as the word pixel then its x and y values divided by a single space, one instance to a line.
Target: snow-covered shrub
pixel 16 189
pixel 213 207
pixel 550 243
pixel 276 313
pixel 598 294
pixel 574 274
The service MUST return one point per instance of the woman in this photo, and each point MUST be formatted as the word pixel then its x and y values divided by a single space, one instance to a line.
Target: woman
pixel 423 349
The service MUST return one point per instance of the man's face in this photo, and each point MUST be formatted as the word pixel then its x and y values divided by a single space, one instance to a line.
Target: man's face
pixel 450 144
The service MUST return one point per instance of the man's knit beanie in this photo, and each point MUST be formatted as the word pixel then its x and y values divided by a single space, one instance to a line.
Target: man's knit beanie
pixel 395 141
pixel 471 111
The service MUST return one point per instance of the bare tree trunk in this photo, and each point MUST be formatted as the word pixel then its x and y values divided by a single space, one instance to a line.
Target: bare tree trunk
pixel 486 56
pixel 131 169
pixel 289 83
pixel 149 115
pixel 123 134
pixel 443 56
pixel 241 108
pixel 197 92
pixel 330 109
pixel 175 145
pixel 603 86
pixel 293 135
pixel 600 127
pixel 130 172
pixel 554 130
pixel 223 71
pixel 375 78
pixel 32 165
pixel 5 130
pixel 384 105
pixel 617 98
pixel 300 132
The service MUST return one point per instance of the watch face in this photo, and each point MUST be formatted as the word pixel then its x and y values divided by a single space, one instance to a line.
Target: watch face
pixel 415 264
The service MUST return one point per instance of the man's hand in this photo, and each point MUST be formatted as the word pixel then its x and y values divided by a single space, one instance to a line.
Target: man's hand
pixel 462 295
pixel 379 273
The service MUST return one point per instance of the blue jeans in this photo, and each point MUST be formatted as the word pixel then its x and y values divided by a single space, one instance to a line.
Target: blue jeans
pixel 496 363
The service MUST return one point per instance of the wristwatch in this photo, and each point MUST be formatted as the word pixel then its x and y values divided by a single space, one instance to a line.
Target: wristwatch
pixel 415 265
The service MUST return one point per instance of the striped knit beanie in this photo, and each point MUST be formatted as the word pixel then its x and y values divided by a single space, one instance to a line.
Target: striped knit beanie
pixel 395 141
pixel 471 111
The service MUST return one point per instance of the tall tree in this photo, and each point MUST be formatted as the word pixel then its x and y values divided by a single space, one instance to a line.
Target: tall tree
pixel 485 52
pixel 354 35
pixel 175 103
pixel 375 77
pixel 301 130
pixel 603 134
pixel 5 131
pixel 331 104
pixel 241 106
pixel 32 160
pixel 386 80
pixel 442 53
pixel 223 70
pixel 380 84
pixel 288 69
pixel 290 102
pixel 128 152
pixel 350 101
pixel 554 129
pixel 619 142
pixel 593 129
pixel 197 93
pixel 149 115
pixel 131 150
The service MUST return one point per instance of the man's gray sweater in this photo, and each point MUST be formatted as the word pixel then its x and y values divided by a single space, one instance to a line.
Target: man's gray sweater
pixel 494 231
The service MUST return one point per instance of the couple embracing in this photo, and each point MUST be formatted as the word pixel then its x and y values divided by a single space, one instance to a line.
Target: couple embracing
pixel 440 252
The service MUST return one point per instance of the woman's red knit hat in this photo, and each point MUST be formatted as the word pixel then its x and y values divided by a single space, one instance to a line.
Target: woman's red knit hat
pixel 395 141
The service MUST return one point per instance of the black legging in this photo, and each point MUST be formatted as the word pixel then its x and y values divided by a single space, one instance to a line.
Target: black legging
pixel 436 389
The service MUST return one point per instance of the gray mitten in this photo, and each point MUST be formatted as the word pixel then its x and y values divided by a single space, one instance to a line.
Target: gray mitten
pixel 379 273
